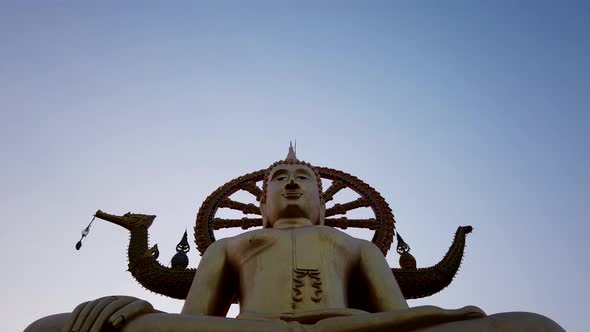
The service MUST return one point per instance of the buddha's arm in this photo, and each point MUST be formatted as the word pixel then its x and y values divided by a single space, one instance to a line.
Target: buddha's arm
pixel 384 292
pixel 211 293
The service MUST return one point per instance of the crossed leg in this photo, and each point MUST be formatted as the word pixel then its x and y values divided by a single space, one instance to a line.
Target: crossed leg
pixel 425 319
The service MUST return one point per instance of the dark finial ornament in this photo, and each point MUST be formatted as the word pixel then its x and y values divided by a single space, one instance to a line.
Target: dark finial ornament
pixel 85 233
pixel 406 260
pixel 402 246
pixel 180 259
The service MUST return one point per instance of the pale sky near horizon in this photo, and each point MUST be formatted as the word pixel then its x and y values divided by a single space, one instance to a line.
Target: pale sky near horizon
pixel 457 114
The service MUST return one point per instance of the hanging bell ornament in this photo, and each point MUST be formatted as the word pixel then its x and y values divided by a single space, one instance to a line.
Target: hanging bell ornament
pixel 85 233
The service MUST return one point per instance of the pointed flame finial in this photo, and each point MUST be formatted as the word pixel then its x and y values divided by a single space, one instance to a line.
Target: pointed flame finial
pixel 291 155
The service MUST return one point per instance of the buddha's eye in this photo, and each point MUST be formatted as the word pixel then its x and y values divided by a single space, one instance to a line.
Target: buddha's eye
pixel 280 178
pixel 302 177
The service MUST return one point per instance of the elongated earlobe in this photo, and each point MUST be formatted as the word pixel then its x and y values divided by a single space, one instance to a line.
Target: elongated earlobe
pixel 322 212
pixel 263 213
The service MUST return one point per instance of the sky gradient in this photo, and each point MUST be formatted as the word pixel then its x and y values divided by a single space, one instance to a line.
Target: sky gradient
pixel 462 114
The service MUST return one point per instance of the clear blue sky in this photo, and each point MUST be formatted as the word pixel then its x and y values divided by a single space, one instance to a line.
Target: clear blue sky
pixel 458 113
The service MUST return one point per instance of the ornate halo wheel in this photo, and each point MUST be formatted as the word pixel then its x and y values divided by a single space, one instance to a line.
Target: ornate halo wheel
pixel 383 223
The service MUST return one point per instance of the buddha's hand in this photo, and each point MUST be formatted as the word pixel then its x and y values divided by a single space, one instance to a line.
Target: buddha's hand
pixel 106 313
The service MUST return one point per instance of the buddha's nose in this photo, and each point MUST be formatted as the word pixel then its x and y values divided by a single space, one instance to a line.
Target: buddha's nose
pixel 292 185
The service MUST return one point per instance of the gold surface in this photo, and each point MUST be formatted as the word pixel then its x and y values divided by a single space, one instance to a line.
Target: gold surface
pixel 293 275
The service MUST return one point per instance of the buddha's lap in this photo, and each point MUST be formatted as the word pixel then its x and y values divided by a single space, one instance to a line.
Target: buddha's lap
pixel 424 319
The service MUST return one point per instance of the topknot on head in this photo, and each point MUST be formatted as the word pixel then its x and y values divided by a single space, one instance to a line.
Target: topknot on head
pixel 291 156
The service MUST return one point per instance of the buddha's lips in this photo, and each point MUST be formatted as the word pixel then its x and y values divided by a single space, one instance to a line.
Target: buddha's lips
pixel 292 194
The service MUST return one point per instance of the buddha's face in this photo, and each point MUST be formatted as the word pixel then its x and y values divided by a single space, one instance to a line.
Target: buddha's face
pixel 292 197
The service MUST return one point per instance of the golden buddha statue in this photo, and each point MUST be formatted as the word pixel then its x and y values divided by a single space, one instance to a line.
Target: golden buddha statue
pixel 294 274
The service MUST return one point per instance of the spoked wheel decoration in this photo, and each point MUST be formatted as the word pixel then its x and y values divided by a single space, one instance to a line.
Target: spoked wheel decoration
pixel 383 224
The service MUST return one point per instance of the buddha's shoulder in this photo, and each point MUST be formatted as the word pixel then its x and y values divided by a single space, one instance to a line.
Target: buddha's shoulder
pixel 338 237
pixel 249 236
pixel 272 235
pixel 334 232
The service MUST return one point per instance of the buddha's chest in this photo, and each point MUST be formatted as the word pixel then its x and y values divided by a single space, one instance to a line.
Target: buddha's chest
pixel 297 248
pixel 302 263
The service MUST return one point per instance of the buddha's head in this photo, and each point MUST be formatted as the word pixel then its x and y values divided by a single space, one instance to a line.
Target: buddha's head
pixel 291 194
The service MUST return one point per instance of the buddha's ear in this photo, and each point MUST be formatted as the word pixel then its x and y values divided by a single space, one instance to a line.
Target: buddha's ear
pixel 322 211
pixel 263 213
